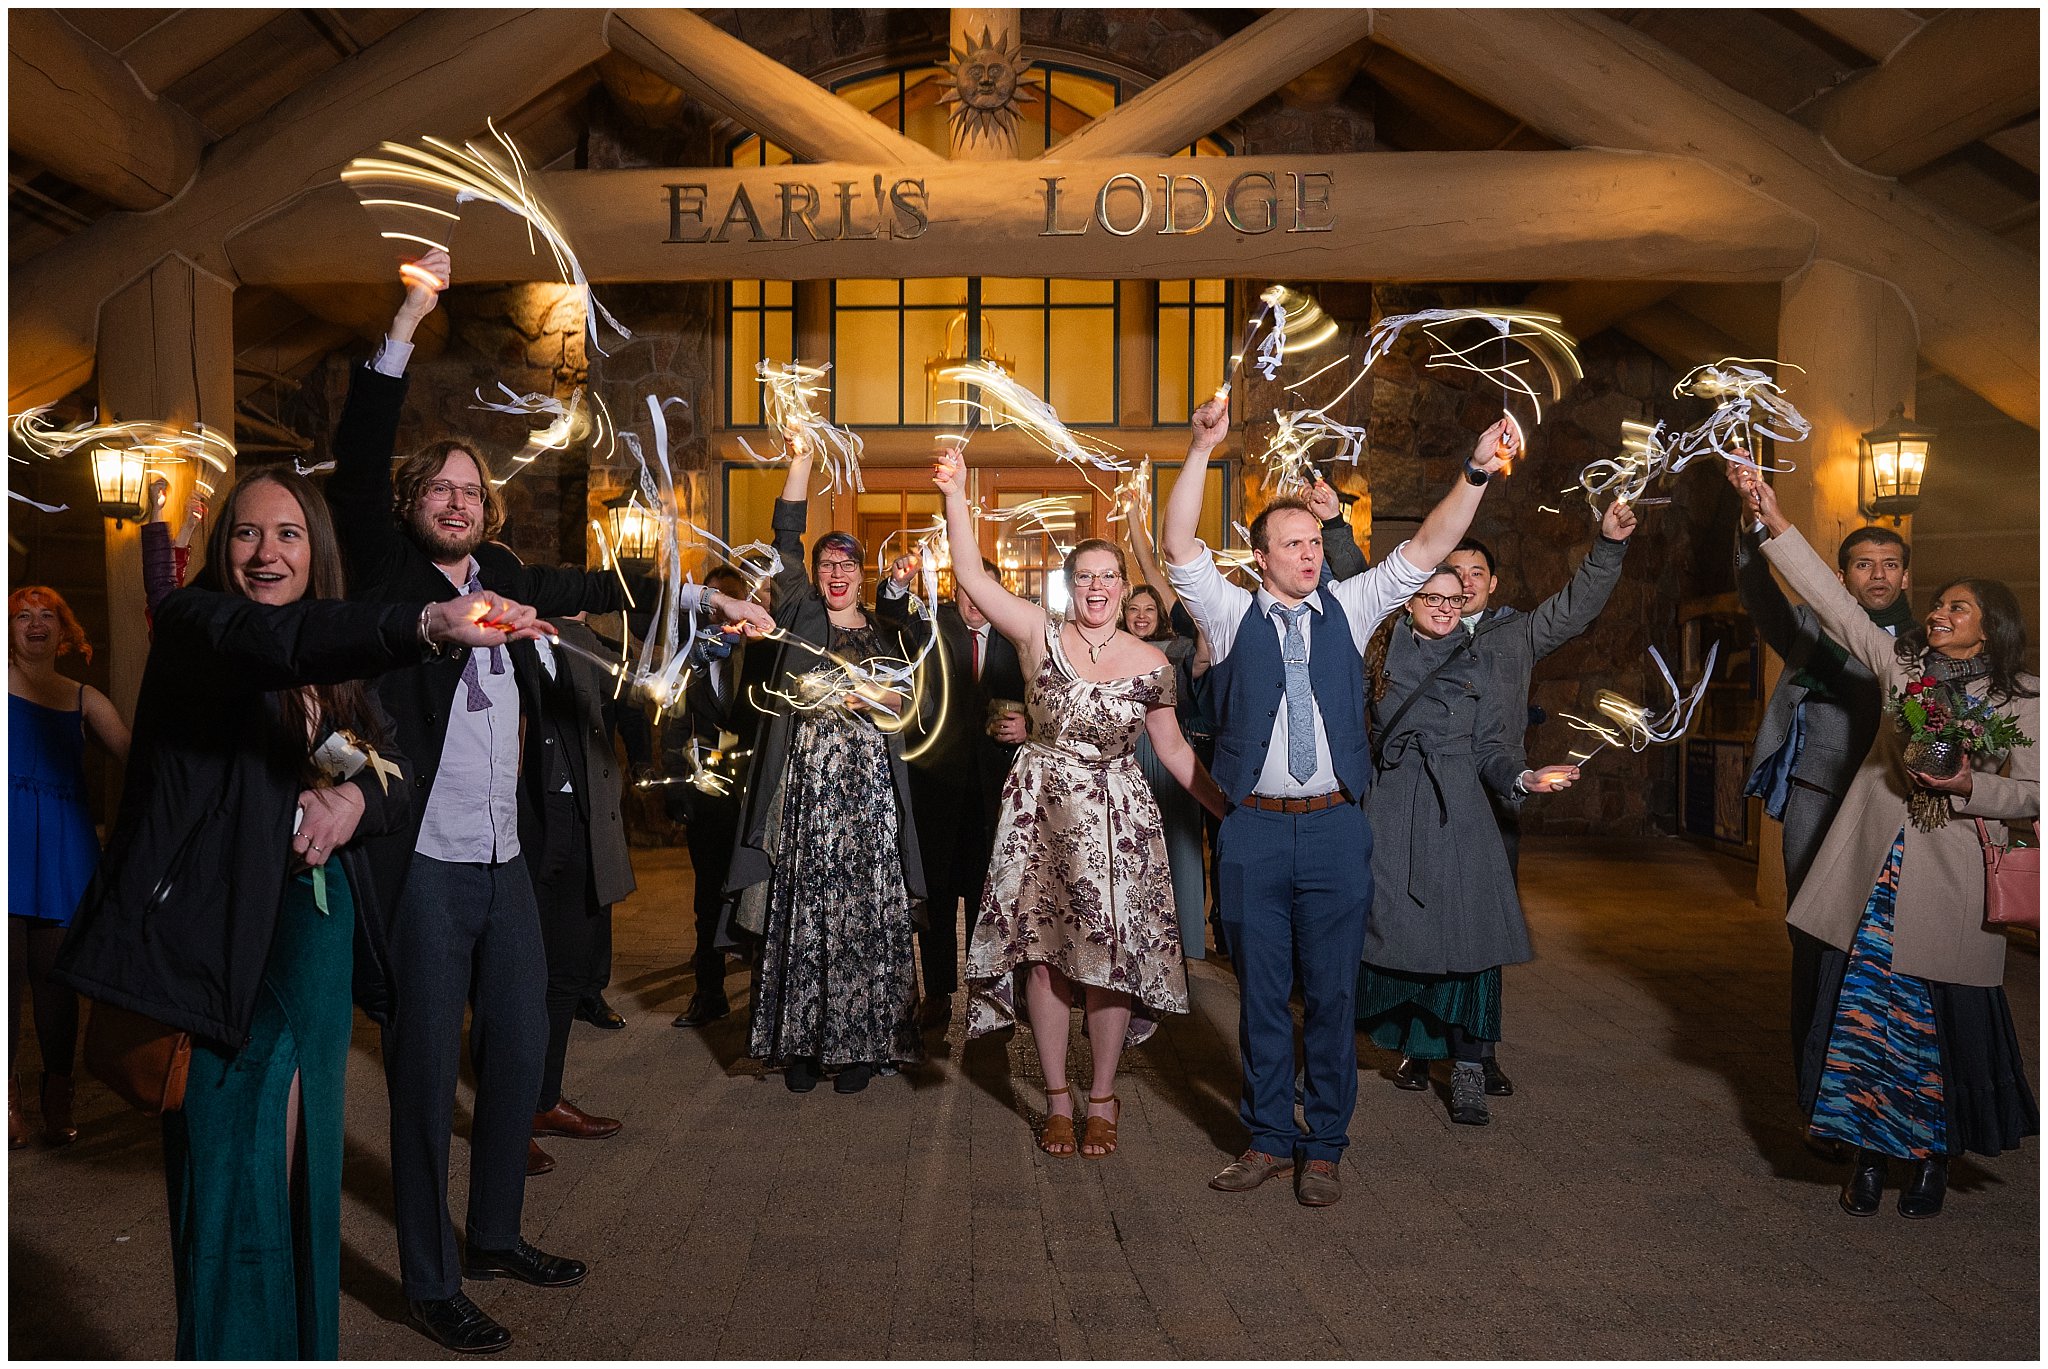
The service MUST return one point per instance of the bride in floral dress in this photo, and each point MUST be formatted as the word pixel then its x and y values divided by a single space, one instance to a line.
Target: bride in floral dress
pixel 1079 896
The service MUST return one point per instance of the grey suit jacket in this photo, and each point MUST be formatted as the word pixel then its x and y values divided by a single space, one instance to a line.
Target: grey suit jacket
pixel 1840 729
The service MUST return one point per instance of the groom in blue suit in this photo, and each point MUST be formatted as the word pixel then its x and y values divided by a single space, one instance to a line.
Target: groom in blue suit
pixel 1294 868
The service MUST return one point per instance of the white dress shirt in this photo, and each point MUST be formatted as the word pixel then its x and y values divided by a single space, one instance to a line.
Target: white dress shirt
pixel 1218 607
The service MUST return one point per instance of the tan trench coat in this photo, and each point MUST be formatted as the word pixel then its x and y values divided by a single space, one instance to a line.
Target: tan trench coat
pixel 1938 927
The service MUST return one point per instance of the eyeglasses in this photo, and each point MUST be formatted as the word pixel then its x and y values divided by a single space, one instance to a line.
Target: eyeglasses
pixel 1097 577
pixel 1443 600
pixel 837 567
pixel 446 490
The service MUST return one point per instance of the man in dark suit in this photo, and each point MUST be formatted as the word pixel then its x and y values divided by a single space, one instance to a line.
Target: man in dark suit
pixel 466 932
pixel 571 828
pixel 714 715
pixel 958 755
pixel 1823 715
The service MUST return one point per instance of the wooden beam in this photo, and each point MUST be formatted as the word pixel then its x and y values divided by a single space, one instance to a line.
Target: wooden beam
pixel 366 310
pixel 75 107
pixel 1442 117
pixel 759 92
pixel 187 40
pixel 1219 85
pixel 1876 34
pixel 1680 339
pixel 1591 307
pixel 1966 74
pixel 1405 215
pixel 1585 80
pixel 2021 142
pixel 440 73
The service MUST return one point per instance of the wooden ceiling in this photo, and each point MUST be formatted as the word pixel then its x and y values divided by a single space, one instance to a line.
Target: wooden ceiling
pixel 224 68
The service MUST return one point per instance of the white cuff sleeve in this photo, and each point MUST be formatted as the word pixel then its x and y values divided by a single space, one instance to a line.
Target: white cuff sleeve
pixel 391 357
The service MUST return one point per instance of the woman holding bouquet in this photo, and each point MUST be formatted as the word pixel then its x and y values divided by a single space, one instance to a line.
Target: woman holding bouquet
pixel 1913 1055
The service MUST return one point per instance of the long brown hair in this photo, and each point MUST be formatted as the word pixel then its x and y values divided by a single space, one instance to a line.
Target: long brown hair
pixel 343 705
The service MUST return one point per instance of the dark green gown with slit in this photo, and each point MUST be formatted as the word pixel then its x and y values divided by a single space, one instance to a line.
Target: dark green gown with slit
pixel 256 1253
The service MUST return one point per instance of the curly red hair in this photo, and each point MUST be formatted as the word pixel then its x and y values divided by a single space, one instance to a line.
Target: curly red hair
pixel 70 636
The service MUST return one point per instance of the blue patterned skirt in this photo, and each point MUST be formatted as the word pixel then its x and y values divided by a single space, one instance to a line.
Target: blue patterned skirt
pixel 1881 1087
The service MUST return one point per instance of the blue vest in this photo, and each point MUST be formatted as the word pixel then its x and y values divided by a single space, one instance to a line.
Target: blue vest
pixel 1248 688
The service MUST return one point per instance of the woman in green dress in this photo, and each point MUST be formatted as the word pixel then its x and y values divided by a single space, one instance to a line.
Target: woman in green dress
pixel 232 903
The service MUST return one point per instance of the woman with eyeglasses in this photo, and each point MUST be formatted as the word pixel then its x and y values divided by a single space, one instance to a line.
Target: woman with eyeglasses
pixel 1079 901
pixel 1444 918
pixel 826 866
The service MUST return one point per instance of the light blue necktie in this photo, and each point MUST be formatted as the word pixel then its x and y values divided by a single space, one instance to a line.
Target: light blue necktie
pixel 1301 718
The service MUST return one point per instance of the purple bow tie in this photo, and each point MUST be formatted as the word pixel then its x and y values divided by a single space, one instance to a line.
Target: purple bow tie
pixel 478 700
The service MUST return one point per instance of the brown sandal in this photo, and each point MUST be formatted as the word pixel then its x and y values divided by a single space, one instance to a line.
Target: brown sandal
pixel 1100 1132
pixel 1058 1136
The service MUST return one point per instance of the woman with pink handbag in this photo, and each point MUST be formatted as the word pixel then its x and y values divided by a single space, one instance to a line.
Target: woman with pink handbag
pixel 1913 1055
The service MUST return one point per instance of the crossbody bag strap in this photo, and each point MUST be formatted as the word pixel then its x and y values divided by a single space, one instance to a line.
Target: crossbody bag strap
pixel 1471 640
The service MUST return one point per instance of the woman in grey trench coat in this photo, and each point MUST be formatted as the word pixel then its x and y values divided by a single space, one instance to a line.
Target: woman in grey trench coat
pixel 1445 918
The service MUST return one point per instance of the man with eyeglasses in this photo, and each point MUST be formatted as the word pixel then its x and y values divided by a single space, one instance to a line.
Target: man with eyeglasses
pixel 1509 643
pixel 1288 685
pixel 454 882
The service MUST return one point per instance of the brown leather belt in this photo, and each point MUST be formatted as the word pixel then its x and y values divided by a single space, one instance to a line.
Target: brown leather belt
pixel 1314 804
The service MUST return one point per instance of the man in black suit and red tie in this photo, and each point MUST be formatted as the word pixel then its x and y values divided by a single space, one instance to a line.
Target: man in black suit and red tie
pixel 959 754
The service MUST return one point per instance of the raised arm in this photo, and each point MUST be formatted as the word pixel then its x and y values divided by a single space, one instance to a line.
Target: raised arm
pixel 1570 611
pixel 1138 533
pixel 792 515
pixel 1841 617
pixel 1446 524
pixel 1341 557
pixel 1211 424
pixel 1020 620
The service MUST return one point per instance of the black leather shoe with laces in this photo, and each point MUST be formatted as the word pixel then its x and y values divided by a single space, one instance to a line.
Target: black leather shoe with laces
pixel 524 1263
pixel 459 1325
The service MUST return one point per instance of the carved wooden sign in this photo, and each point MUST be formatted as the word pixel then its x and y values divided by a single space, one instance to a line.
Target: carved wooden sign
pixel 1356 216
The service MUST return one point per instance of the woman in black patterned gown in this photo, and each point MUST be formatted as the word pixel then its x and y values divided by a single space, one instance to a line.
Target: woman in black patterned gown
pixel 826 866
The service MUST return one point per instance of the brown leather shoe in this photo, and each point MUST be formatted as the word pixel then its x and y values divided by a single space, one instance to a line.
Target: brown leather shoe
pixel 566 1119
pixel 1251 1169
pixel 1316 1185
pixel 538 1161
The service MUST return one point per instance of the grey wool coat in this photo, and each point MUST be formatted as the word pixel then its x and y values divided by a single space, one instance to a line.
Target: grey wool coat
pixel 1443 896
pixel 1938 929
pixel 1516 640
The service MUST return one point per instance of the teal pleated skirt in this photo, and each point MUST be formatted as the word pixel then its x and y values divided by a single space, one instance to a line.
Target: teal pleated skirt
pixel 1413 1013
pixel 256 1251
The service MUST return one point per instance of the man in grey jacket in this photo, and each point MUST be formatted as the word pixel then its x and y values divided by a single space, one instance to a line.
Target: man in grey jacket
pixel 1822 716
pixel 1509 644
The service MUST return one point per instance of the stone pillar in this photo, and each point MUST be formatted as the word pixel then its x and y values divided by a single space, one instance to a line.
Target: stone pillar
pixel 965 34
pixel 167 354
pixel 1858 346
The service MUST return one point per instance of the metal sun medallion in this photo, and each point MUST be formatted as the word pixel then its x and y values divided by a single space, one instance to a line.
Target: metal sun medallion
pixel 986 89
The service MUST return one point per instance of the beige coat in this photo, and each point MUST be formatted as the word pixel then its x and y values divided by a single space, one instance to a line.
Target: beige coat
pixel 1938 927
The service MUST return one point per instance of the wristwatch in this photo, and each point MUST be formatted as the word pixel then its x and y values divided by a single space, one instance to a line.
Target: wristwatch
pixel 1474 475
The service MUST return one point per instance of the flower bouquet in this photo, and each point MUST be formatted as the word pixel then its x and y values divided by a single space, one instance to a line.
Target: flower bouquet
pixel 1944 726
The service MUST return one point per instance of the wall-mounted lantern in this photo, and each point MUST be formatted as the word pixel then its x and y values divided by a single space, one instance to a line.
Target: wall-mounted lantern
pixel 1894 458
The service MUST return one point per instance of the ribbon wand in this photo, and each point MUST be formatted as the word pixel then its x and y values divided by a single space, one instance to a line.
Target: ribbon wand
pixel 1251 330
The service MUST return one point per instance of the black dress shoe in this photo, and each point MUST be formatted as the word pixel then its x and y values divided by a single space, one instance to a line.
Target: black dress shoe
pixel 1865 1189
pixel 1497 1082
pixel 459 1325
pixel 853 1078
pixel 524 1263
pixel 702 1010
pixel 1922 1195
pixel 1413 1074
pixel 801 1075
pixel 598 1013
